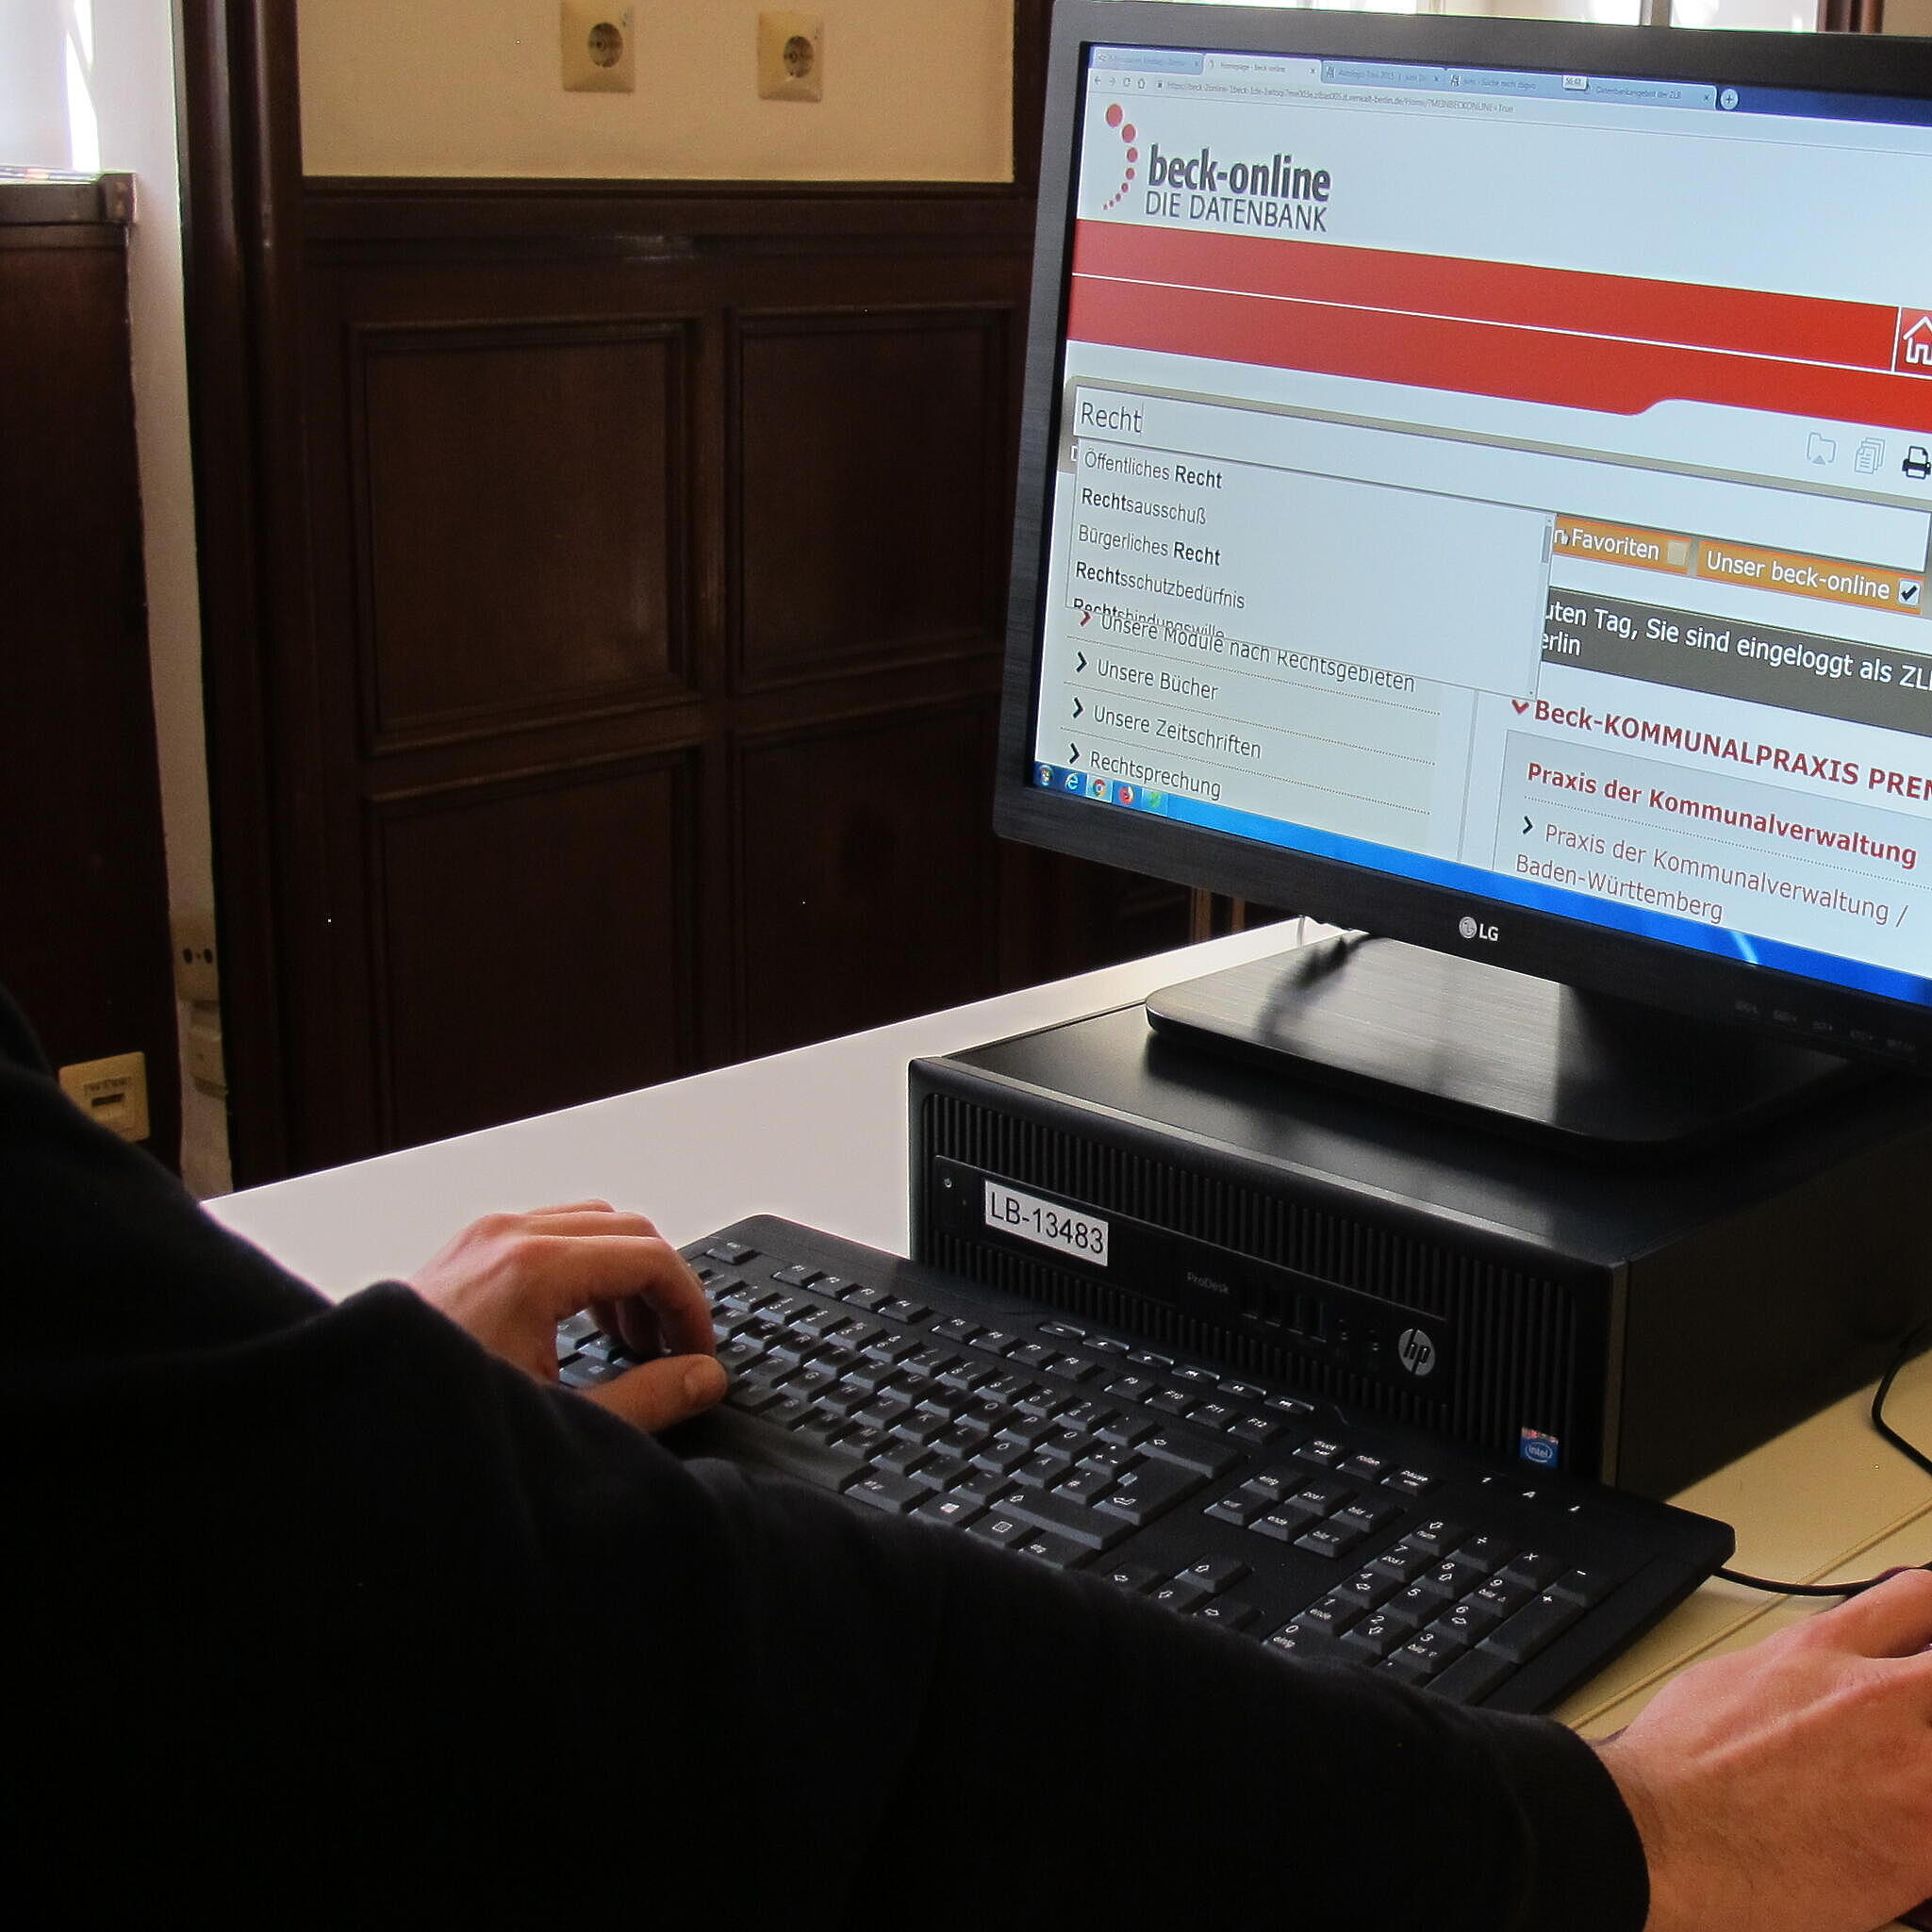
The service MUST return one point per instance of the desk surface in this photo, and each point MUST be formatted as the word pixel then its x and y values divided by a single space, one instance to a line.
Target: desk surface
pixel 820 1135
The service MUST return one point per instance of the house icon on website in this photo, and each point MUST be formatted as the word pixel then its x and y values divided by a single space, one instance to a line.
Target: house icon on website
pixel 1914 350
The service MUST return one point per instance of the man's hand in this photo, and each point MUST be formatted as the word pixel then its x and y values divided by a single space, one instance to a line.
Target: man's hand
pixel 511 1279
pixel 1788 1788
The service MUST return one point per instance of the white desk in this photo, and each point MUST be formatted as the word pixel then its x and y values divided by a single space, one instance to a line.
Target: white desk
pixel 820 1135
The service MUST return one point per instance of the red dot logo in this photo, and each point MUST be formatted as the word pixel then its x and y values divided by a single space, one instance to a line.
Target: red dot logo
pixel 1129 134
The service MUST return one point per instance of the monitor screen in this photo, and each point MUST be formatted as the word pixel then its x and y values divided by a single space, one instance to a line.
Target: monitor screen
pixel 1479 489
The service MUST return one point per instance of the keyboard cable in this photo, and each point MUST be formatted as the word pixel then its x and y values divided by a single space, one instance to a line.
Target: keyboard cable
pixel 1901 1355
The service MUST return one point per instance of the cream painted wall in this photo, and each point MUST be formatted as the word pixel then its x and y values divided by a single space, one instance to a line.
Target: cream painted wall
pixel 915 90
pixel 1909 17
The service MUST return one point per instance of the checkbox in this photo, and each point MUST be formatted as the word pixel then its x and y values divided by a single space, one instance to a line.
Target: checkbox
pixel 1908 594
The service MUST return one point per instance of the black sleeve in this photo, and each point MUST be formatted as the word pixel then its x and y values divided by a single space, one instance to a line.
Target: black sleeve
pixel 323 1611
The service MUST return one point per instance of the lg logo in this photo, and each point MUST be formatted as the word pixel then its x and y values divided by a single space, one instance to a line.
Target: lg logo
pixel 1474 929
pixel 1416 1351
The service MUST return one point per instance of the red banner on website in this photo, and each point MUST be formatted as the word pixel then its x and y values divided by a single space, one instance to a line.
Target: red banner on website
pixel 1558 336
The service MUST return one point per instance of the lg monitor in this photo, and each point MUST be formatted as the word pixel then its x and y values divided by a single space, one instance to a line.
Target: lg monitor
pixel 1476 490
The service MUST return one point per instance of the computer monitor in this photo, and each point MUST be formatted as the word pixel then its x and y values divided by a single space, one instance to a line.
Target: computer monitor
pixel 1476 489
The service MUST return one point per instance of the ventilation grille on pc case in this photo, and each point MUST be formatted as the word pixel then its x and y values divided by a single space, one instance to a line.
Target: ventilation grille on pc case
pixel 1515 1358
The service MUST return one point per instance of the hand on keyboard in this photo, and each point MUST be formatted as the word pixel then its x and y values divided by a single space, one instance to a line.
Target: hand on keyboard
pixel 511 1279
pixel 1742 1772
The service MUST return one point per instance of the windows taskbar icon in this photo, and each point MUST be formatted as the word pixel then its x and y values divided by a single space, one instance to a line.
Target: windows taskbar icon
pixel 1107 791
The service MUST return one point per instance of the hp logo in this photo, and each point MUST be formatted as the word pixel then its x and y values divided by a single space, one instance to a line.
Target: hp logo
pixel 1416 1351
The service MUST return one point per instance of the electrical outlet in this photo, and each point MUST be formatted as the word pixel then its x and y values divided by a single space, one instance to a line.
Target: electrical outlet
pixel 113 1091
pixel 791 57
pixel 599 51
pixel 197 977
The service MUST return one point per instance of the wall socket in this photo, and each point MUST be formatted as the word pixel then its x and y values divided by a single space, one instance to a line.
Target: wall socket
pixel 197 972
pixel 791 57
pixel 113 1091
pixel 600 51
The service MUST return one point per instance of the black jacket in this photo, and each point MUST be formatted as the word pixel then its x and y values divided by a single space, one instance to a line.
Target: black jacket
pixel 322 1610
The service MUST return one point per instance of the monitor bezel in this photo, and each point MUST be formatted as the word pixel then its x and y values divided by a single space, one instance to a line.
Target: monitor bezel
pixel 1591 958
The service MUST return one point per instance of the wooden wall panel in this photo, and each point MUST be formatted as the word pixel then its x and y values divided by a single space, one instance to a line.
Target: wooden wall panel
pixel 84 943
pixel 525 495
pixel 875 453
pixel 869 883
pixel 535 946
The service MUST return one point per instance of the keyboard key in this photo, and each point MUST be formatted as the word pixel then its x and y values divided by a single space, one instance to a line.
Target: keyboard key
pixel 1063 1331
pixel 733 1254
pixel 1587 1587
pixel 800 1275
pixel 1306 1647
pixel 1470 1678
pixel 1365 1468
pixel 1228 1613
pixel 1134 1576
pixel 899 1310
pixel 1180 1594
pixel 1536 1567
pixel 1257 1429
pixel 957 1330
pixel 1217 1573
pixel 953 1509
pixel 1132 1388
pixel 1056 1552
pixel 1532 1630
pixel 1329 1540
pixel 895 1495
pixel 995 1341
pixel 1205 1459
pixel 1438 1536
pixel 1148 1489
pixel 1321 1450
pixel 1045 1510
pixel 1074 1368
pixel 1412 1482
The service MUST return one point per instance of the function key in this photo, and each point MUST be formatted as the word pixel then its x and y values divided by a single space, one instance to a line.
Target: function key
pixel 1074 1368
pixel 995 1341
pixel 1196 1377
pixel 900 1309
pixel 1215 1415
pixel 1147 1358
pixel 1259 1430
pixel 733 1254
pixel 800 1275
pixel 1290 1404
pixel 1412 1482
pixel 1105 1345
pixel 838 1285
pixel 1132 1388
pixel 1063 1331
pixel 1364 1467
pixel 957 1328
pixel 870 1299
pixel 1243 1391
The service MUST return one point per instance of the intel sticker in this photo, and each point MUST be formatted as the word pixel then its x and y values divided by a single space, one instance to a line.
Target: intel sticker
pixel 1532 1446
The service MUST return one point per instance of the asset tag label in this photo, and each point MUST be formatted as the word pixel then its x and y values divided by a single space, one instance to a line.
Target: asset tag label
pixel 1010 1212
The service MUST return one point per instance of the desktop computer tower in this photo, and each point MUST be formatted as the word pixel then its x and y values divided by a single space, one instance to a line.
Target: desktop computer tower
pixel 1639 1325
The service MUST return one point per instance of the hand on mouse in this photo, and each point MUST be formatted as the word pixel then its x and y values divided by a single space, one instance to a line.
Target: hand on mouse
pixel 510 1279
pixel 1788 1788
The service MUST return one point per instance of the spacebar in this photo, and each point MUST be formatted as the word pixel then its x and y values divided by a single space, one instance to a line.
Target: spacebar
pixel 727 1437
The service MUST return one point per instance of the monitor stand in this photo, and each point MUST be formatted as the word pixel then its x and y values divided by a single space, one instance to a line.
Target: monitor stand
pixel 1528 1055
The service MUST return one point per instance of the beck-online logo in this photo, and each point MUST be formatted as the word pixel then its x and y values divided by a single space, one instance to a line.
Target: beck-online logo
pixel 1117 119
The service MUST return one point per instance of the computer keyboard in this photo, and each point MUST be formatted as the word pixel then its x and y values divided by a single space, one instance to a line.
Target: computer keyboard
pixel 1288 1521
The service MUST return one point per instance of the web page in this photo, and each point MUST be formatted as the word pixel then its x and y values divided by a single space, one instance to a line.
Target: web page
pixel 1516 481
